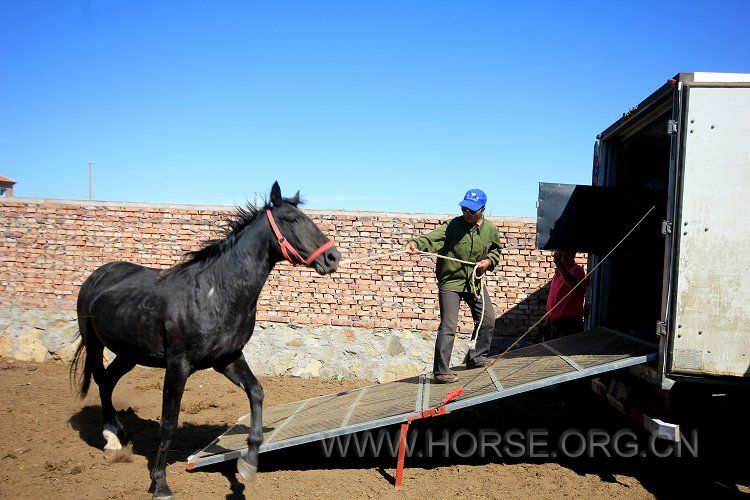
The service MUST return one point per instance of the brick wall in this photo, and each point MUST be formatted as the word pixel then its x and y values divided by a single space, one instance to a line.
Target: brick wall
pixel 48 247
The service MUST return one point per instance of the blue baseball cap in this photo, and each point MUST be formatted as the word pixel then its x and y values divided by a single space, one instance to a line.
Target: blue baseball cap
pixel 474 199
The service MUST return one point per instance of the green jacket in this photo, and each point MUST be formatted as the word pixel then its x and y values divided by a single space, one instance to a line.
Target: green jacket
pixel 459 239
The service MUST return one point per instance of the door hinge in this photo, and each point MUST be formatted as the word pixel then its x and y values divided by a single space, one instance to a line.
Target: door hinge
pixel 671 127
pixel 661 328
pixel 666 227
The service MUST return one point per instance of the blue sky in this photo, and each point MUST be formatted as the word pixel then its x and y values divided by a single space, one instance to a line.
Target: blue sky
pixel 365 105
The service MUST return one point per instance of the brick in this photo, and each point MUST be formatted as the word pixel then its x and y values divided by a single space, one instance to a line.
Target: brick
pixel 47 249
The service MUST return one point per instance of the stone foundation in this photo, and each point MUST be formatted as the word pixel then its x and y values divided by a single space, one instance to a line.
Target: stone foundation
pixel 37 334
pixel 274 349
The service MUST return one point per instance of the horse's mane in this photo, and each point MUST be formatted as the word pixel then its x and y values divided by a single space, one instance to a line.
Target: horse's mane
pixel 243 217
pixel 239 221
pixel 233 226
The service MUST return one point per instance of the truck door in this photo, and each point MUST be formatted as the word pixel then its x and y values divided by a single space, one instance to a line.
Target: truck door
pixel 589 219
pixel 711 328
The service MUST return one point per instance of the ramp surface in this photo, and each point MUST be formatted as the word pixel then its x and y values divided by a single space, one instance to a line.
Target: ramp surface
pixel 577 356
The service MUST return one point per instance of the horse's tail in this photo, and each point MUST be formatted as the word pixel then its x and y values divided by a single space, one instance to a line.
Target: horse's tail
pixel 81 381
pixel 90 349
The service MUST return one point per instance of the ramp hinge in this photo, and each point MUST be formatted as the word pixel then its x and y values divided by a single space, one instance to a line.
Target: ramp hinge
pixel 666 227
pixel 671 127
pixel 661 328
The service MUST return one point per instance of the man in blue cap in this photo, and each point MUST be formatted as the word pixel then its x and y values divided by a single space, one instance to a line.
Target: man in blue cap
pixel 471 238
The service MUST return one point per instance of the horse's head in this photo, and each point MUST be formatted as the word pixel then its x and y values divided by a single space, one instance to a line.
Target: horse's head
pixel 300 240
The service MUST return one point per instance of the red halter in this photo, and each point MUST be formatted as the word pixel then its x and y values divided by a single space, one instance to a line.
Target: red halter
pixel 287 248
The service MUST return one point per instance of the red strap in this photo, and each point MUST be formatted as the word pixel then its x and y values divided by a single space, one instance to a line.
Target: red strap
pixel 452 395
pixel 401 456
pixel 435 411
pixel 319 251
pixel 287 248
pixel 439 409
pixel 429 412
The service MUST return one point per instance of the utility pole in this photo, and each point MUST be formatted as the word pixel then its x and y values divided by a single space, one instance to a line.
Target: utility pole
pixel 91 179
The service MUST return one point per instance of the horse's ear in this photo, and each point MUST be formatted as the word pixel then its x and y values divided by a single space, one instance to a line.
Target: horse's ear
pixel 276 198
pixel 294 200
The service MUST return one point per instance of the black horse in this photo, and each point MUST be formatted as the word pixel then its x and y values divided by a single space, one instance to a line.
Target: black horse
pixel 198 314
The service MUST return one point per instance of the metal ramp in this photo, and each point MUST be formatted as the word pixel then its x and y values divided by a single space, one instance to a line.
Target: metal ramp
pixel 525 369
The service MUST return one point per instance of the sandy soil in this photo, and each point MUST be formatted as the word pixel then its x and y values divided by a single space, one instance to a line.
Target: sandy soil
pixel 50 447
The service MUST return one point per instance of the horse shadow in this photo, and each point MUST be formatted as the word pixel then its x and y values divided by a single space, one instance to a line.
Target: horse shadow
pixel 143 438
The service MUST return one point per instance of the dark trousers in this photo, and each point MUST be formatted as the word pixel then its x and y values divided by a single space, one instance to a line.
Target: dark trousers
pixel 449 306
pixel 562 327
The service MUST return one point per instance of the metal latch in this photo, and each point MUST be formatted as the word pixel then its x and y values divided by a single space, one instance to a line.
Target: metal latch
pixel 671 127
pixel 661 328
pixel 666 227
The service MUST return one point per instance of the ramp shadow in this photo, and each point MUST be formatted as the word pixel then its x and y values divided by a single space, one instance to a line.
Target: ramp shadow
pixel 554 411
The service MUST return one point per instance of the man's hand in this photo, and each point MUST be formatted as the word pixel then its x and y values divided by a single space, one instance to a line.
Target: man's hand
pixel 557 258
pixel 411 247
pixel 483 265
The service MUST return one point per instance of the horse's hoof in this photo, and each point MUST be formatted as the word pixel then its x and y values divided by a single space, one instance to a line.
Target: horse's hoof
pixel 246 469
pixel 164 495
pixel 124 454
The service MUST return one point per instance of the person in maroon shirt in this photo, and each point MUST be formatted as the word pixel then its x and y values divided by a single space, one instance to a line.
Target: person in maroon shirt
pixel 566 317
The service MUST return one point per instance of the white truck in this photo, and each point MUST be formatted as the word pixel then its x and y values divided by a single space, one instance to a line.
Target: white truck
pixel 683 275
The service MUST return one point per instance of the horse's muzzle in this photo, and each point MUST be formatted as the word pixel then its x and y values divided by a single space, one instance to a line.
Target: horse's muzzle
pixel 328 262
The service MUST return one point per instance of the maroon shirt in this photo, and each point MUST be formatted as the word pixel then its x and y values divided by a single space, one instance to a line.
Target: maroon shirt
pixel 572 306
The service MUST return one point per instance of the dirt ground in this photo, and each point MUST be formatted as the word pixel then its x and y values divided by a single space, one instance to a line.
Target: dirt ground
pixel 51 444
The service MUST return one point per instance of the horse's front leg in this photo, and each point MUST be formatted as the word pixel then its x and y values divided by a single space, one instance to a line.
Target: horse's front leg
pixel 174 385
pixel 239 372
